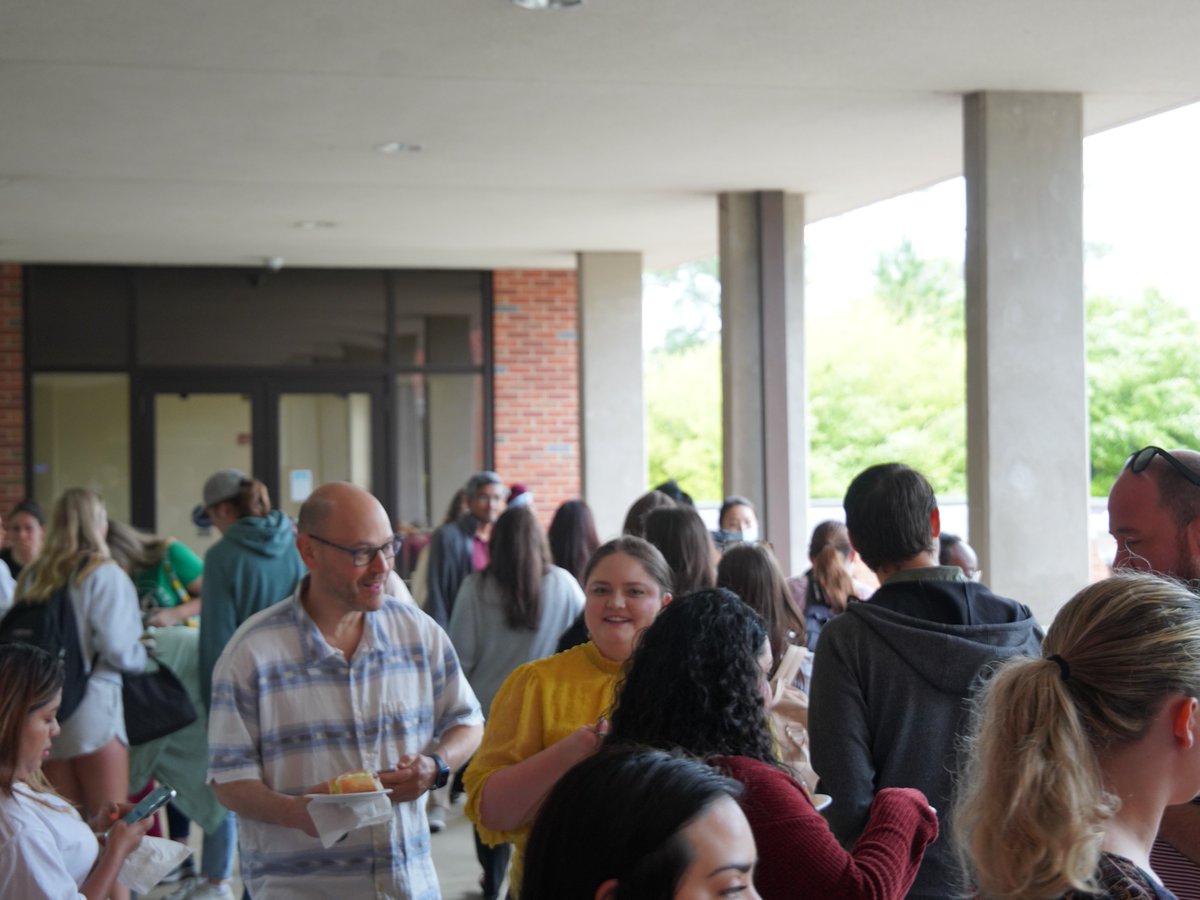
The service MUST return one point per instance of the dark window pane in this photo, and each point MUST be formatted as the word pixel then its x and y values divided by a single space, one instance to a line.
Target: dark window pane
pixel 78 316
pixel 439 441
pixel 439 318
pixel 240 317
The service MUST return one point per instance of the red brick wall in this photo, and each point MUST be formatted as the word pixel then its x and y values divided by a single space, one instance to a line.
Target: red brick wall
pixel 12 390
pixel 537 384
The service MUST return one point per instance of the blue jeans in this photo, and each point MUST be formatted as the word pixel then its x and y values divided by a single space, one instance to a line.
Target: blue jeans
pixel 216 853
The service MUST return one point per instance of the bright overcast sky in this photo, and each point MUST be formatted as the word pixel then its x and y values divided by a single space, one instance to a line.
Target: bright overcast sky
pixel 1141 202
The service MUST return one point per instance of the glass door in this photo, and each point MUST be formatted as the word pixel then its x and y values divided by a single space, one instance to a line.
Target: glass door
pixel 293 433
pixel 195 434
pixel 323 437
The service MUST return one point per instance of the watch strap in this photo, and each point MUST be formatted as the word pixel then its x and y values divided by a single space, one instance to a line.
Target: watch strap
pixel 443 772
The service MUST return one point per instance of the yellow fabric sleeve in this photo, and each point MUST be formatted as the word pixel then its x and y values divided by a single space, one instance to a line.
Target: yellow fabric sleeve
pixel 538 705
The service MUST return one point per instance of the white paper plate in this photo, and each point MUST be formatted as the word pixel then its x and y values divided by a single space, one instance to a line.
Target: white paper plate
pixel 342 798
pixel 821 801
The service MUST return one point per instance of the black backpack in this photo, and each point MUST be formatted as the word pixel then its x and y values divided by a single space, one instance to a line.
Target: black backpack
pixel 51 626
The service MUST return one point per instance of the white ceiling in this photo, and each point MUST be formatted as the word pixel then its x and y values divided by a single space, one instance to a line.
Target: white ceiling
pixel 202 131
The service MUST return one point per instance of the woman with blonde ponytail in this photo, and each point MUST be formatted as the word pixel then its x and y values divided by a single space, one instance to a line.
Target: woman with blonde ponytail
pixel 1074 755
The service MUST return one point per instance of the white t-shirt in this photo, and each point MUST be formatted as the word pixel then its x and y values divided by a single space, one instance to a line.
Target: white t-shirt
pixel 45 850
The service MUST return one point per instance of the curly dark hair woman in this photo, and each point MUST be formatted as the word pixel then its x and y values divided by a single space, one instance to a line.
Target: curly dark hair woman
pixel 696 683
pixel 693 681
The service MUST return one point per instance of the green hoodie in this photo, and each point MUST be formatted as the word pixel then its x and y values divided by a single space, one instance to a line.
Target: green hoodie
pixel 253 566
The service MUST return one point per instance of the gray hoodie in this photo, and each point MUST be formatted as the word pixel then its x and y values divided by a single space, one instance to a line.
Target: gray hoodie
pixel 889 701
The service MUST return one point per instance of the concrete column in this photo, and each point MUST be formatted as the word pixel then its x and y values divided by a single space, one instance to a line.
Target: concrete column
pixel 1027 448
pixel 762 358
pixel 611 406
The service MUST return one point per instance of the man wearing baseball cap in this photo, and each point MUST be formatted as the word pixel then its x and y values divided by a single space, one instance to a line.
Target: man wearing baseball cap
pixel 252 566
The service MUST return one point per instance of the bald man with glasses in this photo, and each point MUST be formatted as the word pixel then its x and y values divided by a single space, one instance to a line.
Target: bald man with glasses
pixel 1154 516
pixel 338 677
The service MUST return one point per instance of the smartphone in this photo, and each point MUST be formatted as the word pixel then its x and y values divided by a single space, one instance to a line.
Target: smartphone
pixel 150 804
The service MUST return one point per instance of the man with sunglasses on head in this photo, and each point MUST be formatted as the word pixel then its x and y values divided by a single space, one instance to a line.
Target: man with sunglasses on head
pixel 1154 516
pixel 339 677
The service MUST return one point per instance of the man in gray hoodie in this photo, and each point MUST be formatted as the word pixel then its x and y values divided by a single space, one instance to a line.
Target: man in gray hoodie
pixel 893 676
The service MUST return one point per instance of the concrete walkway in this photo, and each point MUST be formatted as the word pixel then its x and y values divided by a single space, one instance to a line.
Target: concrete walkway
pixel 453 854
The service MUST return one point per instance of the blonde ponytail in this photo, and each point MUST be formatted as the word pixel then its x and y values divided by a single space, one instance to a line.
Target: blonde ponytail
pixel 1031 805
pixel 1032 783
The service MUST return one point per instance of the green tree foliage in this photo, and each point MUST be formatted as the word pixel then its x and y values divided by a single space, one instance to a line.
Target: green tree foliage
pixel 931 290
pixel 683 415
pixel 1143 380
pixel 884 388
pixel 887 380
pixel 696 307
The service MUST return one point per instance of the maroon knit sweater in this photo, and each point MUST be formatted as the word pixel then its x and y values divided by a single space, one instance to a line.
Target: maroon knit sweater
pixel 798 856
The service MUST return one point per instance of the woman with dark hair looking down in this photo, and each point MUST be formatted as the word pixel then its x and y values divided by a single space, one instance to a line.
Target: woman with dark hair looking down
pixel 46 849
pixel 697 682
pixel 657 827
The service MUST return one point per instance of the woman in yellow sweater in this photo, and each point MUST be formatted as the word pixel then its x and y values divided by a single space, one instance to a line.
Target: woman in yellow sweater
pixel 548 714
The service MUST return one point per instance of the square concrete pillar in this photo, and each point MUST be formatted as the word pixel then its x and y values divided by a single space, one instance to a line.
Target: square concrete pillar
pixel 1027 423
pixel 762 360
pixel 611 405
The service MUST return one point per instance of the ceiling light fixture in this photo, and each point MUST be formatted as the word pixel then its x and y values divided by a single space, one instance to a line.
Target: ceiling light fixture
pixel 394 148
pixel 547 4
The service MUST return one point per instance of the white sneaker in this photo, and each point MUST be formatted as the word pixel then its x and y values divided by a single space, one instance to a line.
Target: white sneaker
pixel 437 819
pixel 200 889
pixel 209 891
pixel 185 888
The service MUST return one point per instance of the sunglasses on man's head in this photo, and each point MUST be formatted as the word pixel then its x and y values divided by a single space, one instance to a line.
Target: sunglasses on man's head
pixel 1138 462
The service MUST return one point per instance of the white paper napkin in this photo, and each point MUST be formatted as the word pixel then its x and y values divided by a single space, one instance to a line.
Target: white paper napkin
pixel 336 815
pixel 150 862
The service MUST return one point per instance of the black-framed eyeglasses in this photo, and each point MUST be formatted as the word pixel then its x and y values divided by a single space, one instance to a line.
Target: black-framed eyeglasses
pixel 364 556
pixel 1138 462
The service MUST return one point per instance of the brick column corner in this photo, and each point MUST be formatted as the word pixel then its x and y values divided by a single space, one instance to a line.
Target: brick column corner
pixel 536 353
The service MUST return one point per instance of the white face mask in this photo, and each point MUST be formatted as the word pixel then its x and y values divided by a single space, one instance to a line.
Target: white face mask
pixel 750 535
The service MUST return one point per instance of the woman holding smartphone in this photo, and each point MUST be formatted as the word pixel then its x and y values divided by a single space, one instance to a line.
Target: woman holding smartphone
pixel 46 849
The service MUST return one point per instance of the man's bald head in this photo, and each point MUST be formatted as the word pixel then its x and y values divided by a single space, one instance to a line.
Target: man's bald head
pixel 336 500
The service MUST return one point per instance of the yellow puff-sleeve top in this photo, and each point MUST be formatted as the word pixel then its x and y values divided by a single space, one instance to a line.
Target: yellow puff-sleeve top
pixel 538 705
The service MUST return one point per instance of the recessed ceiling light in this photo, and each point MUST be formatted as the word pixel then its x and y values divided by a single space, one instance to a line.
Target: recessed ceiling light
pixel 547 4
pixel 314 225
pixel 397 147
